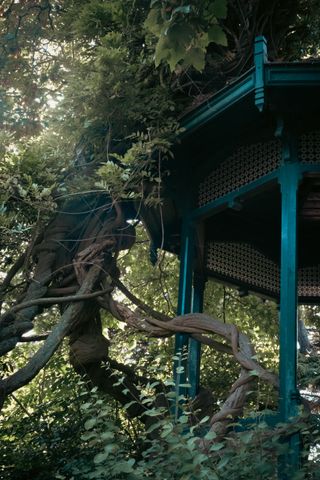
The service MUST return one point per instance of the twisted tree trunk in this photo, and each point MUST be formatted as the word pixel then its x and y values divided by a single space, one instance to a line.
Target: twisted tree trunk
pixel 76 268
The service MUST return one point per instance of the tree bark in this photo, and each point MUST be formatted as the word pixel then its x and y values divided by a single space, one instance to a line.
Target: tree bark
pixel 43 355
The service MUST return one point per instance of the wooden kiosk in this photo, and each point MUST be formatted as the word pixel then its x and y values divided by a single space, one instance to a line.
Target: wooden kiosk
pixel 242 202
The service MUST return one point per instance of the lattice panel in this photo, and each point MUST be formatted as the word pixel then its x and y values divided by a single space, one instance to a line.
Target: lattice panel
pixel 309 147
pixel 245 265
pixel 247 164
pixel 309 282
pixel 241 263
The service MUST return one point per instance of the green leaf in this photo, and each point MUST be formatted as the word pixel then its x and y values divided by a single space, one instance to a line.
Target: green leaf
pixel 125 467
pixel 213 476
pixel 174 44
pixel 210 436
pixel 191 443
pixel 107 435
pixel 90 423
pixel 183 419
pixel 154 427
pixel 128 405
pixel 100 457
pixel 154 22
pixel 110 448
pixel 88 436
pixel 153 412
pixel 217 35
pixel 195 57
pixel 168 427
pixel 223 462
pixel 216 446
pixel 219 8
pixel 246 437
pixel 162 51
pixel 204 419
pixel 179 369
pixel 182 9
pixel 154 384
pixel 199 458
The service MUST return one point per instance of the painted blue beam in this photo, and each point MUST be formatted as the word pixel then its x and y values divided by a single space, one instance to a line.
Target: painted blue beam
pixel 309 168
pixel 184 303
pixel 260 59
pixel 186 267
pixel 231 198
pixel 289 179
pixel 288 398
pixel 223 100
pixel 194 345
pixel 254 82
pixel 286 75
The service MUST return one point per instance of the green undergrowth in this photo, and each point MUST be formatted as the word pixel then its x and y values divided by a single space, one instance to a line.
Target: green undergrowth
pixel 171 449
pixel 84 435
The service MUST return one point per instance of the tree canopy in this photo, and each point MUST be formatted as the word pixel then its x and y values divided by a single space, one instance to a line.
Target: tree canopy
pixel 92 93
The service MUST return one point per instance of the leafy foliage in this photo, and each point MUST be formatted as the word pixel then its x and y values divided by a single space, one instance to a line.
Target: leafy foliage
pixel 40 427
pixel 185 29
pixel 88 104
pixel 105 448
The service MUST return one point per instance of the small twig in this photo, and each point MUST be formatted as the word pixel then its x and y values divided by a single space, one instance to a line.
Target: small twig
pixel 62 290
pixel 12 272
pixel 139 303
pixel 21 405
pixel 34 338
pixel 54 300
pixel 45 352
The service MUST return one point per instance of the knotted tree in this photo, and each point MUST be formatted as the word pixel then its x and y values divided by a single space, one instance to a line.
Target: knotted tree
pixel 92 95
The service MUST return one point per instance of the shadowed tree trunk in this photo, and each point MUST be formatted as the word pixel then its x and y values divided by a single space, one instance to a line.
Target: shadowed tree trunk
pixel 76 261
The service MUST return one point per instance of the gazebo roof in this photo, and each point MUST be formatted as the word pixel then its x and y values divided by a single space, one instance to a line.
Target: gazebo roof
pixel 249 107
pixel 239 124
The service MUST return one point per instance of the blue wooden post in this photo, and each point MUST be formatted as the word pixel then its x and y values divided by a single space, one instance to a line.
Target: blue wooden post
pixel 184 300
pixel 194 345
pixel 289 180
pixel 260 58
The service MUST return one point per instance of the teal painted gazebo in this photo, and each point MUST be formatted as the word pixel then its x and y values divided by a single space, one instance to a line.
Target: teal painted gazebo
pixel 242 202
